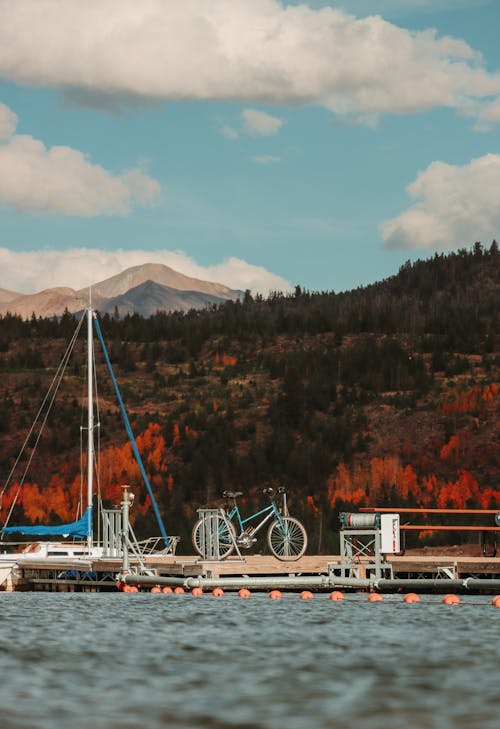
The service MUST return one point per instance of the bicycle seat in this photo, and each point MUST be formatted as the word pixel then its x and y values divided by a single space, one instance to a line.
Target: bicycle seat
pixel 232 494
pixel 268 491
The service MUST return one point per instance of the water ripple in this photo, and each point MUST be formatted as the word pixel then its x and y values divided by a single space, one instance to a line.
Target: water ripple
pixel 128 661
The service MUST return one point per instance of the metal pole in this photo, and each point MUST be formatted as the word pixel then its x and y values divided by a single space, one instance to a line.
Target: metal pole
pixel 233 583
pixel 90 426
pixel 125 529
pixel 320 582
pixel 442 585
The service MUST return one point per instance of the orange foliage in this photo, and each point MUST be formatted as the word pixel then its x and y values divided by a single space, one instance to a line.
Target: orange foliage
pixel 177 435
pixel 366 484
pixel 151 446
pixel 408 482
pixel 469 401
pixel 40 504
pixel 312 506
pixel 451 449
pixel 225 360
pixel 190 432
pixel 61 496
pixel 118 464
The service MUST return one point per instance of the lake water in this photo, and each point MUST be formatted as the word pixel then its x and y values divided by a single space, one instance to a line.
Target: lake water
pixel 106 661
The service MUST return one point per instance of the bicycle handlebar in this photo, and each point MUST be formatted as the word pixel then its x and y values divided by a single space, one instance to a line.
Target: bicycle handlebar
pixel 269 491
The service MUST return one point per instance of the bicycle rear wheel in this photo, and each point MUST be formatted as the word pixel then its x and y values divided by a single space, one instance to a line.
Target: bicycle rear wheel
pixel 287 539
pixel 204 537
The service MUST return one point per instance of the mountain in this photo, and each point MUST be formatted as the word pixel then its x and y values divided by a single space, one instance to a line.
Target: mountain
pixel 6 296
pixel 46 303
pixel 149 297
pixel 160 274
pixel 142 290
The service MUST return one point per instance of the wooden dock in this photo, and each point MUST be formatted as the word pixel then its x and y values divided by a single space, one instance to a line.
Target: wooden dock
pixel 101 575
pixel 403 566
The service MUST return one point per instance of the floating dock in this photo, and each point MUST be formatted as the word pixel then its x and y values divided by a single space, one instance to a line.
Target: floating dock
pixel 426 573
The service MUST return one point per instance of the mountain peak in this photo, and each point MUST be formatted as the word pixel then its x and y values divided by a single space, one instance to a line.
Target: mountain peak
pixel 172 291
pixel 159 273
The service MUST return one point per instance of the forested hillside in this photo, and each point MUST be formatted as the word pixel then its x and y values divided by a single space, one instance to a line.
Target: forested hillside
pixel 386 395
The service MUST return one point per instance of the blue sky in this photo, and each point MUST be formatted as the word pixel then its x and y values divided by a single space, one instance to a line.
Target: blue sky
pixel 258 143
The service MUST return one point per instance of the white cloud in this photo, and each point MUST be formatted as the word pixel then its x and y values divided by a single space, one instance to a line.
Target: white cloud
pixel 258 50
pixel 259 123
pixel 229 132
pixel 253 122
pixel 265 159
pixel 490 113
pixel 33 271
pixel 61 179
pixel 456 205
pixel 8 122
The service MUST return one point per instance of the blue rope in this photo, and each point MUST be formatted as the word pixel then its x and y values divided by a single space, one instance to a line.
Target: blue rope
pixel 131 436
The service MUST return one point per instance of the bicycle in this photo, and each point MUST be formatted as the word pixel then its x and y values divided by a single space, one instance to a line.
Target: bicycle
pixel 286 536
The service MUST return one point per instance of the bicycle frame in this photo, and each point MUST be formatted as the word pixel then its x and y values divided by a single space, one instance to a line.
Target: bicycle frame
pixel 269 511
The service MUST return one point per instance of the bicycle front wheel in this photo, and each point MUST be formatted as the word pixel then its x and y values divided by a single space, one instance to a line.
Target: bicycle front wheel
pixel 287 539
pixel 213 538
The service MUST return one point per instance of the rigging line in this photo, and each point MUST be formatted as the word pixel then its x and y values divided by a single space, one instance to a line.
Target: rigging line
pixel 55 389
pixel 54 385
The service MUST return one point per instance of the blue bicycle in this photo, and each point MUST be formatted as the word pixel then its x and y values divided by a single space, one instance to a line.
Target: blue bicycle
pixel 286 536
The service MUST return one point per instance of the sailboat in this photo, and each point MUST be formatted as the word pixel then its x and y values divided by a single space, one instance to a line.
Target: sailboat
pixel 82 528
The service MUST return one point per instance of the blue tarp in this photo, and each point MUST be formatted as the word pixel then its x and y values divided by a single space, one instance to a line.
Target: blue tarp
pixel 81 528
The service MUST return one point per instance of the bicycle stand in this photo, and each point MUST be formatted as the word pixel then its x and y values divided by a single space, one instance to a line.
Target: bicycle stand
pixel 209 536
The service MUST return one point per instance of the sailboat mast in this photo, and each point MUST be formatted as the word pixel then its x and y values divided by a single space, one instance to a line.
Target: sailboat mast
pixel 90 423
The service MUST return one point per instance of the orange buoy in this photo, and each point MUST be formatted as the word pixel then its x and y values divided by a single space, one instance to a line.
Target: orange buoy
pixel 244 592
pixel 130 588
pixel 496 601
pixel 217 592
pixel 375 597
pixel 179 591
pixel 336 595
pixel 451 600
pixel 275 595
pixel 412 597
pixel 306 595
pixel 156 589
pixel 197 591
pixel 167 590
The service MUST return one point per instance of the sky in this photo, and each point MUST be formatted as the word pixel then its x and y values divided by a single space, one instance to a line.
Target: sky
pixel 262 144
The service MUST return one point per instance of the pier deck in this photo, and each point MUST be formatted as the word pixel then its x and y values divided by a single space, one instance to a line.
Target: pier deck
pixel 100 575
pixel 318 564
